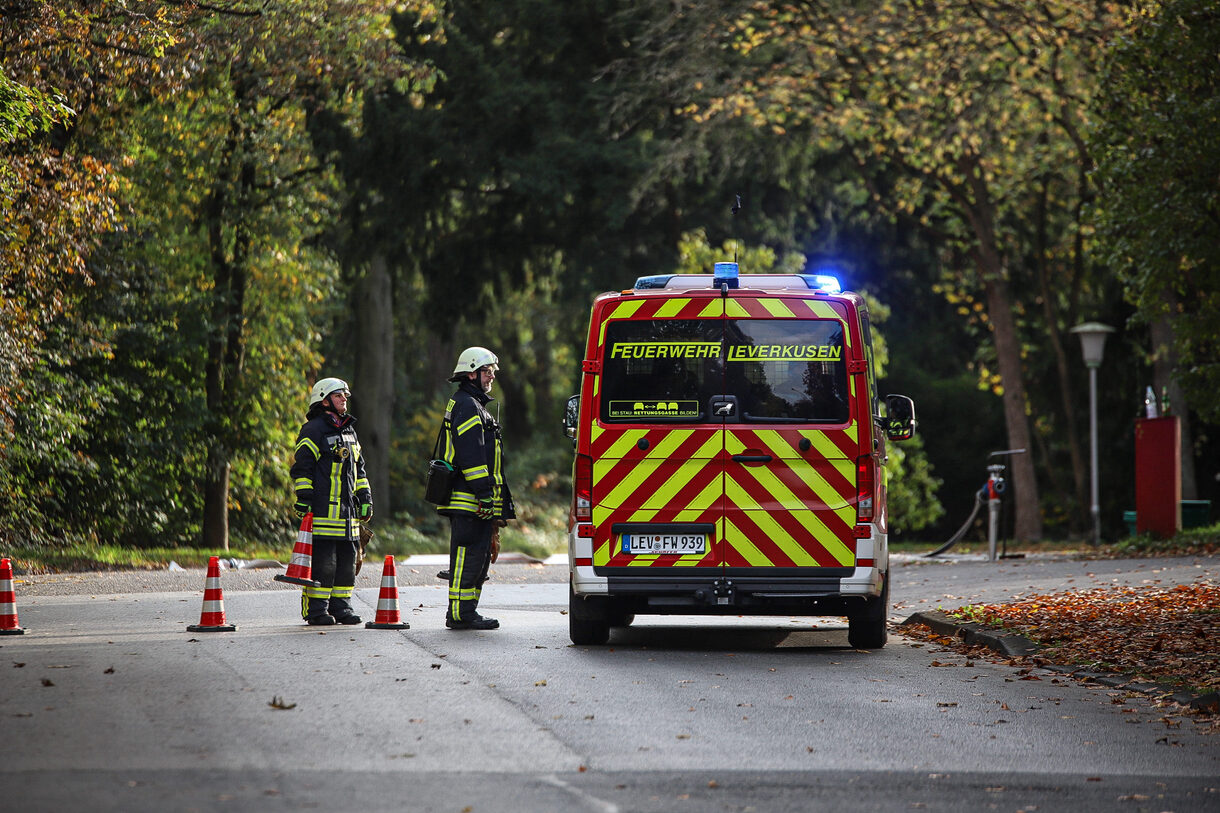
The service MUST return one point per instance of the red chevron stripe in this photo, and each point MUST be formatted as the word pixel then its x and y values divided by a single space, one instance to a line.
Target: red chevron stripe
pixel 744 521
pixel 762 496
pixel 622 468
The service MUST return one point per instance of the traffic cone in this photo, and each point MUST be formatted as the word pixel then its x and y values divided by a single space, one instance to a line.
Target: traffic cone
pixel 212 619
pixel 8 601
pixel 387 601
pixel 301 566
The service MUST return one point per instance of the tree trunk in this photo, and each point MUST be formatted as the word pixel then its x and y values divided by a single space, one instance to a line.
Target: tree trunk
pixel 1008 355
pixel 980 212
pixel 373 384
pixel 216 500
pixel 226 348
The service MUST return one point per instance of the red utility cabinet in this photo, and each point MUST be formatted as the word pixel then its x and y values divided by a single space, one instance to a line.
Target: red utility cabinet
pixel 1158 476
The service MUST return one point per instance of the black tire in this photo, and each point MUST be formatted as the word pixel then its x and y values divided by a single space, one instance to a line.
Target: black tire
pixel 867 628
pixel 588 620
pixel 619 617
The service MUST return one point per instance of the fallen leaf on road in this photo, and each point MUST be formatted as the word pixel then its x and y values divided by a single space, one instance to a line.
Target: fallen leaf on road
pixel 277 702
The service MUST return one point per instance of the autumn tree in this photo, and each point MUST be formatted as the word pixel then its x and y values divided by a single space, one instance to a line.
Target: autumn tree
pixel 961 117
pixel 1158 148
pixel 60 198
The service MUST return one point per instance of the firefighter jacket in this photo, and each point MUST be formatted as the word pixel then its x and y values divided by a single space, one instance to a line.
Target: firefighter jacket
pixel 328 474
pixel 473 447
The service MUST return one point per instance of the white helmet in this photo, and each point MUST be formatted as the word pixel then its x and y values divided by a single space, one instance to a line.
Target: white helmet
pixel 325 387
pixel 473 358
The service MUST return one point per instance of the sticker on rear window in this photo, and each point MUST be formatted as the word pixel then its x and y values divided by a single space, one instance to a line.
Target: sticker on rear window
pixel 785 352
pixel 665 350
pixel 654 409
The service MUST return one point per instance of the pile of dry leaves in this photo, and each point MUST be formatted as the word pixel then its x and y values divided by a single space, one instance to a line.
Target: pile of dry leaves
pixel 1163 635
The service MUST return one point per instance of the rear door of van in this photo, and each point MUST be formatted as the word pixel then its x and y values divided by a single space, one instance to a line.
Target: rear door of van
pixel 724 435
pixel 791 440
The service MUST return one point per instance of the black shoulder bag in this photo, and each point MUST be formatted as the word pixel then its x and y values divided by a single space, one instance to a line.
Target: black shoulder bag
pixel 438 484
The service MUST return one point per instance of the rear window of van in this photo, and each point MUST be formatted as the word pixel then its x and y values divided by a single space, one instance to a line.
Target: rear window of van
pixel 779 370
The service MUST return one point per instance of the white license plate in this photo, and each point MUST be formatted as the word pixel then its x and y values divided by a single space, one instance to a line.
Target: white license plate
pixel 664 543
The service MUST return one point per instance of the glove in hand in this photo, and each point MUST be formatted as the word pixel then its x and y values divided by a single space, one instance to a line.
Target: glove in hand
pixel 486 510
pixel 301 508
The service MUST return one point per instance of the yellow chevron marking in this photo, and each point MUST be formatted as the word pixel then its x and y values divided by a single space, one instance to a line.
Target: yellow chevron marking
pixel 816 529
pixel 783 495
pixel 735 310
pixel 686 472
pixel 825 447
pixel 629 484
pixel 626 309
pixel 778 446
pixel 742 544
pixel 672 308
pixel 775 532
pixel 620 447
pixel 714 310
pixel 822 310
pixel 777 307
pixel 846 468
pixel 626 492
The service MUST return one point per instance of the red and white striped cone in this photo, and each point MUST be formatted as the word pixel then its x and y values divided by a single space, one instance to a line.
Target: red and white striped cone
pixel 300 569
pixel 8 601
pixel 212 619
pixel 387 617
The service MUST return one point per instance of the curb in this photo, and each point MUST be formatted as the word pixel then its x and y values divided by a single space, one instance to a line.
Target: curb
pixel 974 634
pixel 1020 646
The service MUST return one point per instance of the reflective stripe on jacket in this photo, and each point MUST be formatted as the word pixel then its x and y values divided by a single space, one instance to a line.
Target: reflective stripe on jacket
pixel 473 447
pixel 328 474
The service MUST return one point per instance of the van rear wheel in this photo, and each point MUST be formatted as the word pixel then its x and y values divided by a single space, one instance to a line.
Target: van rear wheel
pixel 588 620
pixel 866 628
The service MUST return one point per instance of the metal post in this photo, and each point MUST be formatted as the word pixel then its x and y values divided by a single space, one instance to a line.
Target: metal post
pixel 993 524
pixel 1093 345
pixel 1095 509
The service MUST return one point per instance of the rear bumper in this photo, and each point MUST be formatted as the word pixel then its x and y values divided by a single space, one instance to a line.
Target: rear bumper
pixel 761 591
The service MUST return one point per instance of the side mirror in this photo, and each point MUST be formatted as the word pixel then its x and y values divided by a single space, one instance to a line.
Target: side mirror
pixel 900 417
pixel 571 417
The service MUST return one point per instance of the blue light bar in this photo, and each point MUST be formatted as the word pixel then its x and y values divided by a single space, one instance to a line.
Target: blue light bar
pixel 823 282
pixel 648 283
pixel 725 273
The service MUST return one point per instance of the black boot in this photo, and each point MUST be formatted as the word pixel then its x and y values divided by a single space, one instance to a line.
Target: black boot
pixel 316 614
pixel 341 611
pixel 475 622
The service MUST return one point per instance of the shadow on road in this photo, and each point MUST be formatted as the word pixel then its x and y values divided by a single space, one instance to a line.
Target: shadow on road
pixel 728 639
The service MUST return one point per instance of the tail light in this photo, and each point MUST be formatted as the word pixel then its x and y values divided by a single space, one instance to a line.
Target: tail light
pixel 583 488
pixel 866 488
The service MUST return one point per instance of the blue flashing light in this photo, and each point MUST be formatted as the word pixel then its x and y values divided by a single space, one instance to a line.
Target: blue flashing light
pixel 823 282
pixel 653 282
pixel 725 273
pixel 827 283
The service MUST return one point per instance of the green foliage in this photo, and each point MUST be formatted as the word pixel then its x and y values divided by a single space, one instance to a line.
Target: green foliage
pixel 1158 157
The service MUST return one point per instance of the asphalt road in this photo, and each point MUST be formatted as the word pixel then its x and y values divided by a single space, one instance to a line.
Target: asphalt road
pixel 108 703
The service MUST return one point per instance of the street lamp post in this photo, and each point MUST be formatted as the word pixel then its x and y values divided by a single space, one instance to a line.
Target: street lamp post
pixel 1093 345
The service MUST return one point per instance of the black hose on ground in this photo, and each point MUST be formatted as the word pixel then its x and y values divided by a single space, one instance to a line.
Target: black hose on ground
pixel 978 502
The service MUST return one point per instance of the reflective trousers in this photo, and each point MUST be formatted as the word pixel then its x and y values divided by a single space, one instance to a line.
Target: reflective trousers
pixel 334 568
pixel 469 559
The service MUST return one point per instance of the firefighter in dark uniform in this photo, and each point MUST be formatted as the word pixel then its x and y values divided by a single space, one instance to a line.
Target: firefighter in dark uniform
pixel 329 479
pixel 481 503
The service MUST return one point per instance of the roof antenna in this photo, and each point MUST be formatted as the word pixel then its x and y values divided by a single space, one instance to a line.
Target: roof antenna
pixel 736 209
